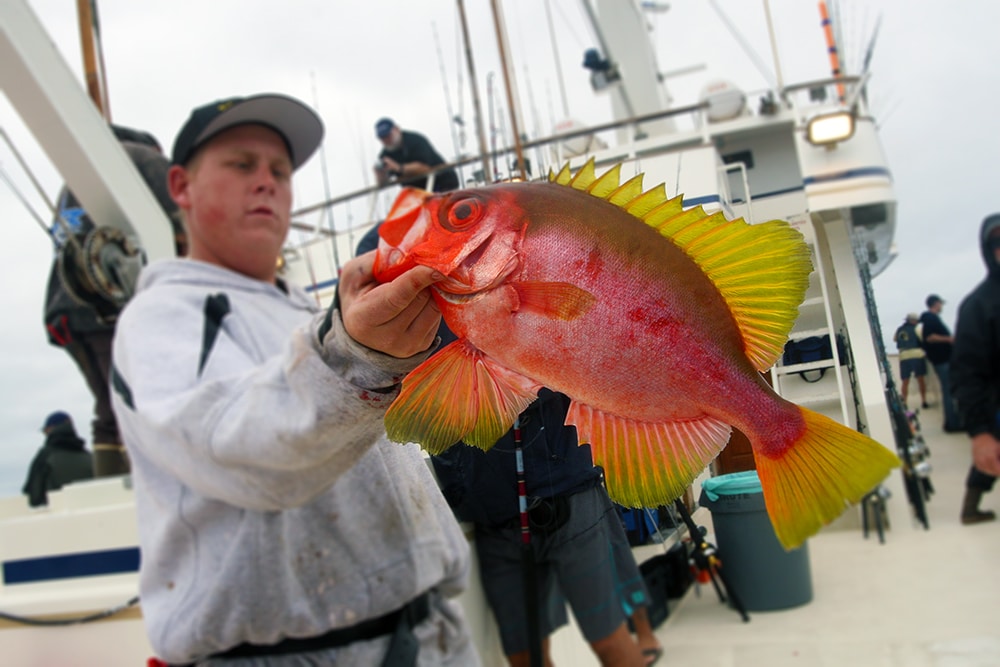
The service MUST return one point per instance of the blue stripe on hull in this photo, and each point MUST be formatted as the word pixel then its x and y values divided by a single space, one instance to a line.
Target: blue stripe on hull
pixel 70 566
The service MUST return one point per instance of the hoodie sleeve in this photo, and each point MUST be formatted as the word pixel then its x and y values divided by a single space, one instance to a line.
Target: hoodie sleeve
pixel 260 430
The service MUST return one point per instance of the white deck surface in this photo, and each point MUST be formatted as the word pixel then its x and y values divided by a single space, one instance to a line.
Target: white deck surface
pixel 925 598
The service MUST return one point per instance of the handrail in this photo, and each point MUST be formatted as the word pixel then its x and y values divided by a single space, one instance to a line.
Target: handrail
pixel 555 138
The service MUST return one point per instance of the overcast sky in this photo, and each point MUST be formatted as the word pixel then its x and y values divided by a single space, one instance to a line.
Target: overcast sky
pixel 933 91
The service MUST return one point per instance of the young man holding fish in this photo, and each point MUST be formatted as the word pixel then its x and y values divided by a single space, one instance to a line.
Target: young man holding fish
pixel 277 524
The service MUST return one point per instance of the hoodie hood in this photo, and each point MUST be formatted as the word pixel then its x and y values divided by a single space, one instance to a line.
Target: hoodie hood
pixel 989 224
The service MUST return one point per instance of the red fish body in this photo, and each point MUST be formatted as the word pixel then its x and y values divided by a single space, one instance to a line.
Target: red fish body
pixel 655 321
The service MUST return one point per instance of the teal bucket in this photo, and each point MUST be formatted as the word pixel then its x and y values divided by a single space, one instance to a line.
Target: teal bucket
pixel 760 572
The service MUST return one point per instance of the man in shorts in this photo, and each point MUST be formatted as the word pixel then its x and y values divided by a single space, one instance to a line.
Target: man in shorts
pixel 912 358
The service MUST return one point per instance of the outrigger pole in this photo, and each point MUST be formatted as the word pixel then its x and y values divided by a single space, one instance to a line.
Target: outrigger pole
pixel 474 88
pixel 508 85
pixel 93 58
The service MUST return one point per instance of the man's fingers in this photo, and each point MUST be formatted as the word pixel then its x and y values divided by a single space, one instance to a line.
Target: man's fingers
pixel 405 289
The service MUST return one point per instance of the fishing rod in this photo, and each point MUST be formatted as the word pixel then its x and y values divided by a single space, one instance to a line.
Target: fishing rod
pixel 530 568
pixel 706 559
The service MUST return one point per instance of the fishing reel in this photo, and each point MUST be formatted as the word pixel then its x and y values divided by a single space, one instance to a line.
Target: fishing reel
pixel 100 270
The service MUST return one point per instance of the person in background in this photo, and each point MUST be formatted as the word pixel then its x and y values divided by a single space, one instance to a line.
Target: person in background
pixel 408 157
pixel 581 552
pixel 975 375
pixel 78 327
pixel 937 343
pixel 912 358
pixel 278 525
pixel 61 460
pixel 579 549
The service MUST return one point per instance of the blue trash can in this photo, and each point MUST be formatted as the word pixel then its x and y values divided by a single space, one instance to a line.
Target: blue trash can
pixel 761 573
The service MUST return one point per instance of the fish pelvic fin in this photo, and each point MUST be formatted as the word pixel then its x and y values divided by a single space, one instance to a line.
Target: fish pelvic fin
pixel 828 468
pixel 762 270
pixel 648 464
pixel 459 394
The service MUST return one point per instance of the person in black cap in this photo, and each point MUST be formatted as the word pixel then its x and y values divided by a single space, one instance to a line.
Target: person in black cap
pixel 61 460
pixel 278 525
pixel 975 375
pixel 937 343
pixel 78 326
pixel 408 158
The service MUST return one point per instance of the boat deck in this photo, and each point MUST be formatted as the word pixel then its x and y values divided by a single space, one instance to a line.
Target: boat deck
pixel 924 598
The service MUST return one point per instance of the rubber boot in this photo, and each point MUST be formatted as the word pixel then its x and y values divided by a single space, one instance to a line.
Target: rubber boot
pixel 110 460
pixel 970 507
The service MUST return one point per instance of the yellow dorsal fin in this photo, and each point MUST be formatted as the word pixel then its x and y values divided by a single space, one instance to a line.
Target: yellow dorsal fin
pixel 606 183
pixel 563 177
pixel 585 177
pixel 762 271
pixel 627 192
pixel 649 200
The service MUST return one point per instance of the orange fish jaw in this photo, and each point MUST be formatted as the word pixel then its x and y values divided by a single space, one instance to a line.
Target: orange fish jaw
pixel 454 234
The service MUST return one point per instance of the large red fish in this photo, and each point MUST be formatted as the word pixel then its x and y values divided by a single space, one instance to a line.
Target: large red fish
pixel 656 321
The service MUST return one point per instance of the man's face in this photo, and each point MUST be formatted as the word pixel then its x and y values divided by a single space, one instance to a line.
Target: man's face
pixel 994 241
pixel 392 140
pixel 236 194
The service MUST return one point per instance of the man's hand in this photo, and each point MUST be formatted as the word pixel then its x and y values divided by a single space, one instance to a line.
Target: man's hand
pixel 398 318
pixel 986 454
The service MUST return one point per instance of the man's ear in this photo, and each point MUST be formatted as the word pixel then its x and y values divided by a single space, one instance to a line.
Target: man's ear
pixel 177 185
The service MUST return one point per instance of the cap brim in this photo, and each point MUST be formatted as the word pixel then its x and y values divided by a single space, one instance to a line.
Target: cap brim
pixel 297 123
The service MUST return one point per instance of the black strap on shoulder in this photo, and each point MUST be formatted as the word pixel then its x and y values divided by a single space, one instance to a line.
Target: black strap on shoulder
pixel 121 387
pixel 327 324
pixel 216 308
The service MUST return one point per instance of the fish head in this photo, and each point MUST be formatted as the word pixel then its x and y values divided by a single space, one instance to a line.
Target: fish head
pixel 472 237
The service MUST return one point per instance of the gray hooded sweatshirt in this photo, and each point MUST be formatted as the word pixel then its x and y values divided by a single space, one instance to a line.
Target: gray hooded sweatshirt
pixel 270 505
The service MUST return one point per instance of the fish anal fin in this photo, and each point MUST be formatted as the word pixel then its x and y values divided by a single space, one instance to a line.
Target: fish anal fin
pixel 648 464
pixel 828 468
pixel 458 394
pixel 560 301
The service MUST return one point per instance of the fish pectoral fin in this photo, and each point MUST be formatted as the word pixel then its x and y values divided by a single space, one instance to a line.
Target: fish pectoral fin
pixel 648 464
pixel 555 300
pixel 458 394
pixel 828 468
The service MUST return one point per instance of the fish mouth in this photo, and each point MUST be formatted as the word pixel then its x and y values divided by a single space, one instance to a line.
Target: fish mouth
pixel 400 232
pixel 456 298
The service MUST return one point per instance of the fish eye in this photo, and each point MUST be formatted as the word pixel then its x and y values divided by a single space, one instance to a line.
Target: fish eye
pixel 464 213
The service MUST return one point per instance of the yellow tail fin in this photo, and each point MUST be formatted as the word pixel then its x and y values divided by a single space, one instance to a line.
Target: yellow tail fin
pixel 829 468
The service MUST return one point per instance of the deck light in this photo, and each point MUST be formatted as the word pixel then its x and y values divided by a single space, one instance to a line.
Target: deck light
pixel 830 128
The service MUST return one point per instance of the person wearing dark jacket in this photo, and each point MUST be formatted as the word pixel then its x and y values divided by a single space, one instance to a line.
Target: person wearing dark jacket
pixel 975 375
pixel 61 460
pixel 409 157
pixel 77 326
pixel 938 343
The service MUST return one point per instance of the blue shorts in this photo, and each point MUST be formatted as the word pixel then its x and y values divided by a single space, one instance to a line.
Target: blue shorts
pixel 908 367
pixel 587 562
